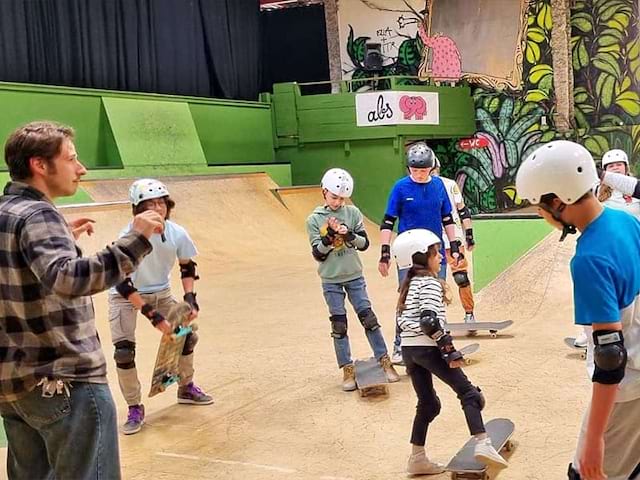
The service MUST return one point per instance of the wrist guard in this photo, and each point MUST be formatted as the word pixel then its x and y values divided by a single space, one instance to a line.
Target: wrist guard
pixel 190 298
pixel 153 315
pixel 385 254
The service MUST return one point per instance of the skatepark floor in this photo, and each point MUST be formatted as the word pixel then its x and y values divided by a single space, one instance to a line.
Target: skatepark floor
pixel 266 356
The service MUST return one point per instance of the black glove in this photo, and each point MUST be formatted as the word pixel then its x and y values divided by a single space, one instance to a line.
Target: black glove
pixel 468 234
pixel 385 254
pixel 190 298
pixel 349 236
pixel 329 237
pixel 153 315
pixel 454 247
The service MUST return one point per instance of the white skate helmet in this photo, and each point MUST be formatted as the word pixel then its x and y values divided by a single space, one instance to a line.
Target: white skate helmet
pixel 561 167
pixel 413 241
pixel 338 182
pixel 613 156
pixel 146 189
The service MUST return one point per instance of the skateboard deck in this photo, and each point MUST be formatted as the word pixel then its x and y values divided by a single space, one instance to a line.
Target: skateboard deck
pixel 370 378
pixel 493 327
pixel 165 370
pixel 469 350
pixel 465 466
pixel 569 341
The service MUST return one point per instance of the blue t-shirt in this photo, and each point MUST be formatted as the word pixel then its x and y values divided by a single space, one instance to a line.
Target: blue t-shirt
pixel 606 268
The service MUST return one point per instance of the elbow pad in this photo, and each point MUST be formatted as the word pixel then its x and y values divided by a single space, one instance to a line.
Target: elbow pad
pixel 464 213
pixel 188 270
pixel 126 288
pixel 610 357
pixel 388 222
pixel 447 220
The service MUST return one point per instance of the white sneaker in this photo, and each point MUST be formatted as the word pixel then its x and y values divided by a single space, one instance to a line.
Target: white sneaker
pixel 581 340
pixel 419 464
pixel 396 359
pixel 470 318
pixel 485 453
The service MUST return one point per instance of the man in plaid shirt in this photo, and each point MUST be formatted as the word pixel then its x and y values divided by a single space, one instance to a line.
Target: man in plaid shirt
pixel 58 413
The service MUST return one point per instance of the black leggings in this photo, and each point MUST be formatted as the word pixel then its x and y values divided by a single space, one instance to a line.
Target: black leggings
pixel 422 363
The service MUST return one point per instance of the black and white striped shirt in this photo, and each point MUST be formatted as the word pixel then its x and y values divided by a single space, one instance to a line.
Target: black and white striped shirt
pixel 425 293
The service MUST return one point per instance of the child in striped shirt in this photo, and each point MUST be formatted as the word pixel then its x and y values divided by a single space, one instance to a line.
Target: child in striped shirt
pixel 428 350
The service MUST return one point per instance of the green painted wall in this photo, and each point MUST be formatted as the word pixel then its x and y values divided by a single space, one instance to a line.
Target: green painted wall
pixel 500 243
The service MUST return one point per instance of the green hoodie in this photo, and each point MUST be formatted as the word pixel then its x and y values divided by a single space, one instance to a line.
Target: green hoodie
pixel 338 261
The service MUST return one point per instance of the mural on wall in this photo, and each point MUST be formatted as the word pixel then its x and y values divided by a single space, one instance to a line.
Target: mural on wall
pixel 606 62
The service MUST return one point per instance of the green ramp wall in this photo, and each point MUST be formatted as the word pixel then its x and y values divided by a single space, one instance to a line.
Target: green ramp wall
pixel 121 134
pixel 317 132
pixel 501 243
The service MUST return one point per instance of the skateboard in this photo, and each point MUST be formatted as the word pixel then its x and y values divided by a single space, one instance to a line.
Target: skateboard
pixel 370 378
pixel 465 466
pixel 570 342
pixel 493 327
pixel 469 350
pixel 165 370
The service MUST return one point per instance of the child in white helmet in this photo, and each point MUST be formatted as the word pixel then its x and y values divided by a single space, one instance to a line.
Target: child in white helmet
pixel 559 177
pixel 336 233
pixel 147 291
pixel 428 350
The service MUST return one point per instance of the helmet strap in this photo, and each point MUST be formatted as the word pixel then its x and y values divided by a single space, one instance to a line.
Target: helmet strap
pixel 567 228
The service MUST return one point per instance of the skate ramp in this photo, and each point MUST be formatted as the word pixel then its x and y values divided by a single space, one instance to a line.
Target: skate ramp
pixel 266 355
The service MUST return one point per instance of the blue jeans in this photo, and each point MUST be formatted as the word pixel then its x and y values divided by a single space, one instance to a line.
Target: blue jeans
pixel 63 437
pixel 402 274
pixel 356 290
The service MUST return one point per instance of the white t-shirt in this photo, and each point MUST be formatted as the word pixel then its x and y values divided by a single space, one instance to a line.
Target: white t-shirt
pixel 455 198
pixel 624 202
pixel 153 272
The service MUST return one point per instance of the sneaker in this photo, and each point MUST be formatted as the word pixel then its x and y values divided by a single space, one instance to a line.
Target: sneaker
pixel 389 371
pixel 470 318
pixel 419 464
pixel 192 394
pixel 485 453
pixel 135 420
pixel 349 378
pixel 581 340
pixel 396 359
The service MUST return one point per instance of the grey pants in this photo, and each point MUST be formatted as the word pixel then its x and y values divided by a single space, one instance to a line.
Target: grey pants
pixel 122 320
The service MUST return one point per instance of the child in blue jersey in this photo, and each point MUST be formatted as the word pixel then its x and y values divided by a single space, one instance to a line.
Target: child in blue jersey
pixel 418 200
pixel 428 350
pixel 560 177
pixel 147 291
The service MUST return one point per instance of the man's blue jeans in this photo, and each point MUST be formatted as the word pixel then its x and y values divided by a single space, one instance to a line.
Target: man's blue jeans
pixel 71 436
pixel 356 290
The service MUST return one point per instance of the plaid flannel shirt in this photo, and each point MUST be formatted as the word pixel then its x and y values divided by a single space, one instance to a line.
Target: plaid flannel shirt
pixel 47 325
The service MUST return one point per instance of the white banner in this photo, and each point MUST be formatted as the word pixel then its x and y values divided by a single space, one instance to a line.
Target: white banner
pixel 395 108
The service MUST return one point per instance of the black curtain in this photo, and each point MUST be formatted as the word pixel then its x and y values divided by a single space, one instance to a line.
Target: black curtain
pixel 208 48
pixel 294 47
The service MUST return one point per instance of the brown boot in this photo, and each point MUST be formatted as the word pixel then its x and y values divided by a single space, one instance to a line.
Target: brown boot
pixel 349 378
pixel 390 372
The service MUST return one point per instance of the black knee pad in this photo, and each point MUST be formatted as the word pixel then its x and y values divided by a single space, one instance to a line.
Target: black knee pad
pixel 430 409
pixel 338 326
pixel 572 474
pixel 461 279
pixel 368 320
pixel 190 343
pixel 125 354
pixel 473 398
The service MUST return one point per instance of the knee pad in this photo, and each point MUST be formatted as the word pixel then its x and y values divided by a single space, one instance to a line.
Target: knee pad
pixel 125 354
pixel 190 343
pixel 430 410
pixel 369 320
pixel 461 279
pixel 473 398
pixel 572 474
pixel 338 326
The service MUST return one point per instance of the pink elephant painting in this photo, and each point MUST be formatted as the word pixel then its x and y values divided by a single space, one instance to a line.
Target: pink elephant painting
pixel 413 107
pixel 446 62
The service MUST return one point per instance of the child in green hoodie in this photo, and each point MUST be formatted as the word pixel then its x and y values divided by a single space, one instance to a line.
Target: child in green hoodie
pixel 336 233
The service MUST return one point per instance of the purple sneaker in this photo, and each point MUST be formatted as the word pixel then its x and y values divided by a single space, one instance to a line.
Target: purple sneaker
pixel 193 395
pixel 135 420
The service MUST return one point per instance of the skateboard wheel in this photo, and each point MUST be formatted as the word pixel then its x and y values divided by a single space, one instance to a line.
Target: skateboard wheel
pixel 583 356
pixel 493 333
pixel 467 361
pixel 508 446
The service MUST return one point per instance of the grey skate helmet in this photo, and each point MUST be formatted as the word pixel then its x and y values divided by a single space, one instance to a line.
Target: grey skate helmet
pixel 420 155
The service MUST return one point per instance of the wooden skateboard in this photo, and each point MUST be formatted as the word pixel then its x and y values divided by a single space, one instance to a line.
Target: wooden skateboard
pixel 370 378
pixel 493 327
pixel 165 370
pixel 469 350
pixel 570 342
pixel 465 466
